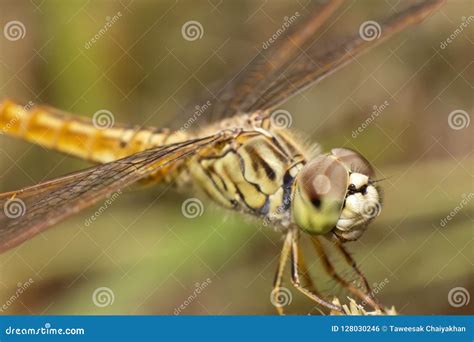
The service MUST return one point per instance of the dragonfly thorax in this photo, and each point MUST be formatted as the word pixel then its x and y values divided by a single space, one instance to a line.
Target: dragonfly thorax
pixel 336 193
pixel 253 173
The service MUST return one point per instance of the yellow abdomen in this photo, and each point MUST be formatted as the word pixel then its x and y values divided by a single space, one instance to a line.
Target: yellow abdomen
pixel 77 136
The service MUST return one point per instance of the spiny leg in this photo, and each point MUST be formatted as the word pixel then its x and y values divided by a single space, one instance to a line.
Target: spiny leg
pixel 304 273
pixel 329 268
pixel 285 253
pixel 350 260
pixel 298 268
pixel 303 269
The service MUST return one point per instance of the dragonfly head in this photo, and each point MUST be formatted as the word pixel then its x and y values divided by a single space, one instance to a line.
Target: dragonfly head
pixel 336 192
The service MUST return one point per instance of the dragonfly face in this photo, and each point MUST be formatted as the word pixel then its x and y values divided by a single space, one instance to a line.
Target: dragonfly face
pixel 336 192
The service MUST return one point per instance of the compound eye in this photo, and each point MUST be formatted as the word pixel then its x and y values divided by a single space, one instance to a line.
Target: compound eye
pixel 353 161
pixel 324 179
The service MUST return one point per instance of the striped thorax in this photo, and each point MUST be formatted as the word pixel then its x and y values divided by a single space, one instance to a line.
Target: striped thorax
pixel 254 173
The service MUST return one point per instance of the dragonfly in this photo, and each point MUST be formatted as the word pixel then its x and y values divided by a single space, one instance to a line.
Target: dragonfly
pixel 243 158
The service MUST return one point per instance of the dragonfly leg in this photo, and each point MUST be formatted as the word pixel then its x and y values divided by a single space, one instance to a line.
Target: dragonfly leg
pixel 276 292
pixel 303 269
pixel 329 268
pixel 350 260
pixel 298 268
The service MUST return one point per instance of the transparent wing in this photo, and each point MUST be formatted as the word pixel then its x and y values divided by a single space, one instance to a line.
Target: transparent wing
pixel 31 210
pixel 244 86
pixel 313 65
pixel 291 64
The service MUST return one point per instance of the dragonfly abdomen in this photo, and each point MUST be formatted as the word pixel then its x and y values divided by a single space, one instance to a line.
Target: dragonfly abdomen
pixel 77 136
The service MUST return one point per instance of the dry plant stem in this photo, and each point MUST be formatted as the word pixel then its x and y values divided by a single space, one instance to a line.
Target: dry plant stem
pixel 298 268
pixel 329 268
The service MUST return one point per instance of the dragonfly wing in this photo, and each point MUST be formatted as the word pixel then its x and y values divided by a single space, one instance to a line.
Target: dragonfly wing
pixel 313 65
pixel 243 88
pixel 31 210
pixel 294 62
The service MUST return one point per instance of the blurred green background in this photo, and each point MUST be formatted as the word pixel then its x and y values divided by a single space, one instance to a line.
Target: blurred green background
pixel 144 251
